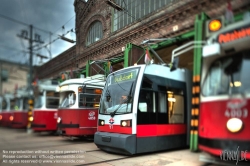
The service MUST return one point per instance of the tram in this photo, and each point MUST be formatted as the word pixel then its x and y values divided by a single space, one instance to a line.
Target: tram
pixel 79 103
pixel 7 109
pixel 45 108
pixel 1 109
pixel 224 119
pixel 20 110
pixel 144 108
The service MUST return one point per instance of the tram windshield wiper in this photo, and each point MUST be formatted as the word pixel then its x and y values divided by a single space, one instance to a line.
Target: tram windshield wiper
pixel 129 97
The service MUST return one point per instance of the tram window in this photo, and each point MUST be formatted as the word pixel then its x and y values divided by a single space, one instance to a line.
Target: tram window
pixel 176 108
pixel 18 104
pixel 25 104
pixel 146 113
pixel 245 81
pixel 142 107
pixel 89 100
pixel 12 104
pixel 162 103
pixel 147 83
pixel 146 97
pixel 38 102
pixel 228 75
pixel 52 99
pixel 4 105
pixel 67 99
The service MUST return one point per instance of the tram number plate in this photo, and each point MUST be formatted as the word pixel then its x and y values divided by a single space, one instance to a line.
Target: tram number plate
pixel 237 113
pixel 106 139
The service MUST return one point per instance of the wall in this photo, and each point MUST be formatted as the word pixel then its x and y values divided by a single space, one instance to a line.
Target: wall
pixel 160 24
pixel 17 76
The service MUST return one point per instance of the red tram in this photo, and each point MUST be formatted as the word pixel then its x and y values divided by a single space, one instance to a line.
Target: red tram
pixel 46 104
pixel 20 113
pixel 144 109
pixel 6 116
pixel 79 103
pixel 224 118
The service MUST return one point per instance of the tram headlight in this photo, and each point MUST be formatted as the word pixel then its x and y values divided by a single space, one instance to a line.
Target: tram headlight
pixel 1 117
pixel 234 125
pixel 59 120
pixel 101 122
pixel 126 123
pixel 11 118
pixel 31 119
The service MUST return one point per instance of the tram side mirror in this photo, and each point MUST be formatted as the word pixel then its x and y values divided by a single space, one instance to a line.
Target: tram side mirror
pixel 174 64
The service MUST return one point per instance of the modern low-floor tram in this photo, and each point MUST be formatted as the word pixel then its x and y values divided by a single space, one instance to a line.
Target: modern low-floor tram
pixel 144 108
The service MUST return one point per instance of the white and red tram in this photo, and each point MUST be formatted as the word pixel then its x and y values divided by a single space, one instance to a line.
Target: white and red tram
pixel 6 117
pixel 46 103
pixel 79 103
pixel 224 119
pixel 20 113
pixel 1 109
pixel 144 109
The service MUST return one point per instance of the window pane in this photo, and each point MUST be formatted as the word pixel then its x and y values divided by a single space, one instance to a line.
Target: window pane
pixel 68 99
pixel 95 33
pixel 176 108
pixel 135 10
pixel 89 100
pixel 4 75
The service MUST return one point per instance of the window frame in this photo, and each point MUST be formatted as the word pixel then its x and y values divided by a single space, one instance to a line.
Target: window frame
pixel 95 31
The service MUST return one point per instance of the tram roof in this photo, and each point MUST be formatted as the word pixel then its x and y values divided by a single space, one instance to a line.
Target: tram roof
pixel 81 81
pixel 42 87
pixel 160 70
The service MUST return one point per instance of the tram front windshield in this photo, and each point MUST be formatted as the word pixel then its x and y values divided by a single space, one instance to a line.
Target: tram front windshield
pixel 228 75
pixel 52 99
pixel 39 101
pixel 4 104
pixel 18 104
pixel 67 99
pixel 118 92
pixel 12 104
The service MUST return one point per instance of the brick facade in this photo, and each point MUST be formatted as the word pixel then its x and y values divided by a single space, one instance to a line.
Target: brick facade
pixel 158 24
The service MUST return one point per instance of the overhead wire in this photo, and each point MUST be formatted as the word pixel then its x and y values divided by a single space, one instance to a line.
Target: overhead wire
pixel 126 12
pixel 20 22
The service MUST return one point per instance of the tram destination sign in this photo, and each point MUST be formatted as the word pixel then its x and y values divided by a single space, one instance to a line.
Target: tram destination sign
pixel 127 76
pixel 233 35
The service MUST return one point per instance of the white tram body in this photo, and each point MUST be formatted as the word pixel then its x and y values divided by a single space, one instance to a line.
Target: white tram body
pixel 79 103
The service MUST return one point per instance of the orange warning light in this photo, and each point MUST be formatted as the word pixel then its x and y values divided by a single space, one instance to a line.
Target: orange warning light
pixel 214 25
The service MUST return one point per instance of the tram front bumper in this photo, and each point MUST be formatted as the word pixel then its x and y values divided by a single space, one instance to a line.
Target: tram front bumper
pixel 116 143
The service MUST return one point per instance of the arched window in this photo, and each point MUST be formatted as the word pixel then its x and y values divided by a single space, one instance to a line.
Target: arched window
pixel 94 33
